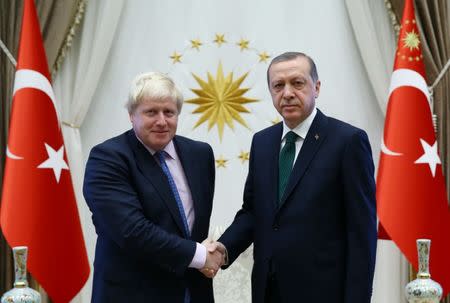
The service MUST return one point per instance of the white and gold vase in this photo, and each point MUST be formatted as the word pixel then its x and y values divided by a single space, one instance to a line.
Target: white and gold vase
pixel 21 292
pixel 423 289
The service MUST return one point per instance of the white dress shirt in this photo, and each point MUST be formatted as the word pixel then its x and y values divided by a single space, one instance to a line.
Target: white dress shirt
pixel 301 130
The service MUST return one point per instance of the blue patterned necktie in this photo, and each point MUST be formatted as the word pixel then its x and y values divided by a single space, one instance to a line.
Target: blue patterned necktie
pixel 286 162
pixel 161 157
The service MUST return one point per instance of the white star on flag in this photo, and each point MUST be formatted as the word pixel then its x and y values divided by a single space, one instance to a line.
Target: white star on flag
pixel 430 156
pixel 55 161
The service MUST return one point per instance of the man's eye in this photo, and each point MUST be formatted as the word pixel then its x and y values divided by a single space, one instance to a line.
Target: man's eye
pixel 299 84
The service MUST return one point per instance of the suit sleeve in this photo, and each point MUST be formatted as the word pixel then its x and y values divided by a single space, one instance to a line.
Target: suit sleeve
pixel 239 235
pixel 360 212
pixel 118 214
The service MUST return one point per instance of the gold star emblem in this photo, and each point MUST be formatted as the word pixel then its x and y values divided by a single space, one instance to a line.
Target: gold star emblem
pixel 196 43
pixel 244 156
pixel 411 40
pixel 176 57
pixel 243 44
pixel 276 120
pixel 221 162
pixel 220 100
pixel 263 56
pixel 220 39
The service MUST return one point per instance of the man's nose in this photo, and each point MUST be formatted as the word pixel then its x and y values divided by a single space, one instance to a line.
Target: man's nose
pixel 161 119
pixel 288 92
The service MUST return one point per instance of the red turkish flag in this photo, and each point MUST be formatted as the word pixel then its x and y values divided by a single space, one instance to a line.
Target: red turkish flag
pixel 38 207
pixel 411 196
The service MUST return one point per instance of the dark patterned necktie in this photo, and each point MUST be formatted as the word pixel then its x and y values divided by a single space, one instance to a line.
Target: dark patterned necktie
pixel 286 162
pixel 161 155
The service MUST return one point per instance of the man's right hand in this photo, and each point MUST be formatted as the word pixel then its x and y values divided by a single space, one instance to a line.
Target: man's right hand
pixel 215 258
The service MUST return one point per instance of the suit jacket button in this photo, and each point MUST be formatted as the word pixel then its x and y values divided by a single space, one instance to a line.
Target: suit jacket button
pixel 275 227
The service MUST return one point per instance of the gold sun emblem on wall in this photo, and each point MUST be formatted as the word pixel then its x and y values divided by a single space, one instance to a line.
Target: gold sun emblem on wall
pixel 220 100
pixel 411 40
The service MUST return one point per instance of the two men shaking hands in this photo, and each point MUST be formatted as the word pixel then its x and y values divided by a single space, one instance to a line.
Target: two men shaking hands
pixel 308 207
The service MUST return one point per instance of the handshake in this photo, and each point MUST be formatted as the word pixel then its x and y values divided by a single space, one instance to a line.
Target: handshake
pixel 216 256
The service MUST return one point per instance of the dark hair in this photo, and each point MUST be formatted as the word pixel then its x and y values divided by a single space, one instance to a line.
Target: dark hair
pixel 288 56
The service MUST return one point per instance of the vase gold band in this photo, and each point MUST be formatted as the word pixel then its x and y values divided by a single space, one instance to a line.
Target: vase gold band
pixel 20 284
pixel 423 276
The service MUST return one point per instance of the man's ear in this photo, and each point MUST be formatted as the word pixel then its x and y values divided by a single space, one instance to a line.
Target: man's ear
pixel 317 87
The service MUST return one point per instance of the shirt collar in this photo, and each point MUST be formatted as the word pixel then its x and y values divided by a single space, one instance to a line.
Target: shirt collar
pixel 302 129
pixel 169 148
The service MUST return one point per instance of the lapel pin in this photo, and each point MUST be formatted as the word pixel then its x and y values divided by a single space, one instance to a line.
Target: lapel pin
pixel 316 136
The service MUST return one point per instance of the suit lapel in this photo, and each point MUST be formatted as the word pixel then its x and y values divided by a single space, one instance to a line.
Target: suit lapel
pixel 154 174
pixel 273 152
pixel 314 138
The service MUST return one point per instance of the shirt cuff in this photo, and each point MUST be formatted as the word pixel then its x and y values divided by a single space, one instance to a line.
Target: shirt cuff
pixel 199 259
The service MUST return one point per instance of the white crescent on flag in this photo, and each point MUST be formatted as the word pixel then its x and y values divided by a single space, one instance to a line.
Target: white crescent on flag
pixel 28 78
pixel 408 77
pixel 10 155
pixel 405 77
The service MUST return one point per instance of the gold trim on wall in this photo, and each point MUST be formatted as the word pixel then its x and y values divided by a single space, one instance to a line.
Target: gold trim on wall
pixel 393 17
pixel 76 20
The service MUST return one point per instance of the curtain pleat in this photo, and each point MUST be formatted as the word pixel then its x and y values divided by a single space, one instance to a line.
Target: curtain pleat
pixel 10 20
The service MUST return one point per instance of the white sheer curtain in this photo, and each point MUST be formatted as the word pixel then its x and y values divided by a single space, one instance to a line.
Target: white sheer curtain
pixel 74 87
pixel 376 42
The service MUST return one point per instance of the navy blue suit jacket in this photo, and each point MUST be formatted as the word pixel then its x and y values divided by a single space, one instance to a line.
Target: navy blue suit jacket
pixel 141 253
pixel 320 243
